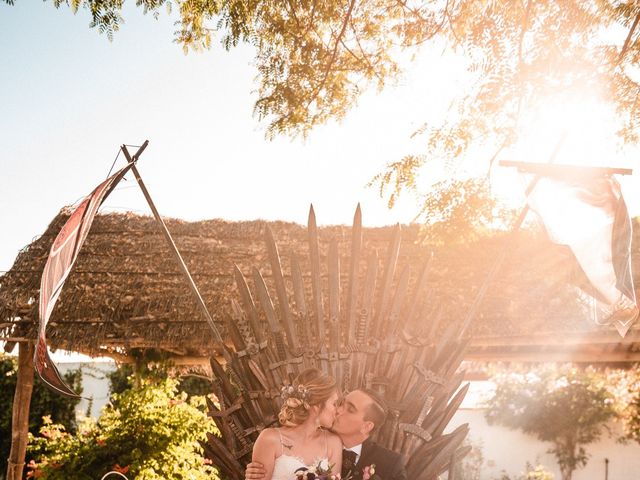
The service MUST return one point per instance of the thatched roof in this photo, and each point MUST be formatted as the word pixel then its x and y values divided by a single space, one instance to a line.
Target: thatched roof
pixel 126 290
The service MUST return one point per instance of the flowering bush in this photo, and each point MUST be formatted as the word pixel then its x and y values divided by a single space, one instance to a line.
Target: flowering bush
pixel 149 432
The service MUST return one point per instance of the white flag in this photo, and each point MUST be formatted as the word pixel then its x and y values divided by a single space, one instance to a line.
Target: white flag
pixel 590 216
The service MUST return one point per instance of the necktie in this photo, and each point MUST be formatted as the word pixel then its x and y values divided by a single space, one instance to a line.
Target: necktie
pixel 348 462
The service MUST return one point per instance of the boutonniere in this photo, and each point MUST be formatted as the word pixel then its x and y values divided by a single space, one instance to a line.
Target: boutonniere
pixel 369 472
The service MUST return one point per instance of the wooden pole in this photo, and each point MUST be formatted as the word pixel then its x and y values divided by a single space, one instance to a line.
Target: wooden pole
pixel 502 256
pixel 170 242
pixel 20 420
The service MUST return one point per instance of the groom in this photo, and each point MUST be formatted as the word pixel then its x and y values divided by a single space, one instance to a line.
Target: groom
pixel 358 417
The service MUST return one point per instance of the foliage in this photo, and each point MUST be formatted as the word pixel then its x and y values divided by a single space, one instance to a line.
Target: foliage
pixel 454 210
pixel 565 406
pixel 43 402
pixel 532 473
pixel 149 432
pixel 314 59
pixel 461 211
pixel 625 385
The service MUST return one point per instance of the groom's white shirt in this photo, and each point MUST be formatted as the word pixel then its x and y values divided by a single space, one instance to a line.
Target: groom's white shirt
pixel 357 449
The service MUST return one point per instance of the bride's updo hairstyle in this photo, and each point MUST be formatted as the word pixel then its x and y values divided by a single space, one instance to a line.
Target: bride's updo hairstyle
pixel 310 388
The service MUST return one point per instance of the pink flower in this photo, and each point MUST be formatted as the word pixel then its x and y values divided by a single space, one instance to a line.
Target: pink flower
pixel 368 471
pixel 119 469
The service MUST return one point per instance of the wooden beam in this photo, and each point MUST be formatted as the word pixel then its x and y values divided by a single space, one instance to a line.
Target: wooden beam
pixel 558 170
pixel 579 356
pixel 20 419
pixel 576 338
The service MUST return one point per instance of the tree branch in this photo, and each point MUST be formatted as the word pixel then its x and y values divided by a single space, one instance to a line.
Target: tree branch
pixel 628 40
pixel 333 54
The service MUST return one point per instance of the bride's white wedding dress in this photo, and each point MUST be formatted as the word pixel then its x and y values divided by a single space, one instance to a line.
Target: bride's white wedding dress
pixel 285 465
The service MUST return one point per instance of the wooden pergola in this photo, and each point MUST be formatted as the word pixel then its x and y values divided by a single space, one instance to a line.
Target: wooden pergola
pixel 126 292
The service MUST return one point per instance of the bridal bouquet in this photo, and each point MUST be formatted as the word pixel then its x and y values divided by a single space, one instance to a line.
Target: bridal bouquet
pixel 319 471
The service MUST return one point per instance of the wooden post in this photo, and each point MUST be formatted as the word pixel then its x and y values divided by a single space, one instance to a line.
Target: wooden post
pixel 170 242
pixel 20 420
pixel 502 256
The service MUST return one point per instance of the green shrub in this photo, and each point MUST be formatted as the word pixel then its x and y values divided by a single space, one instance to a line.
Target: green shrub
pixel 149 432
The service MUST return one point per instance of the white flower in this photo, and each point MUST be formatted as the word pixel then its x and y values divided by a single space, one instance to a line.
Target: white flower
pixel 323 464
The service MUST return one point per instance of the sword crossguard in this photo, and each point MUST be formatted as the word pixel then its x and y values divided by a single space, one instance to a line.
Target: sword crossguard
pixel 252 349
pixel 228 411
pixel 429 375
pixel 333 356
pixel 415 430
pixel 289 361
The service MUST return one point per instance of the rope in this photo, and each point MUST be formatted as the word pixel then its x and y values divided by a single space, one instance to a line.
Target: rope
pixel 114 162
pixel 116 159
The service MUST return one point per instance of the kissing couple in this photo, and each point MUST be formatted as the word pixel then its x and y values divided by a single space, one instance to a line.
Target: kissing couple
pixel 325 436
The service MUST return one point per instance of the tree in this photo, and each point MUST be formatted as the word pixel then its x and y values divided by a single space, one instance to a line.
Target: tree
pixel 566 406
pixel 149 432
pixel 456 210
pixel 314 59
pixel 43 403
pixel 625 385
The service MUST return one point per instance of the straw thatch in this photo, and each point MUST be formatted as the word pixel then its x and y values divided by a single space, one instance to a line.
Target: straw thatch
pixel 126 290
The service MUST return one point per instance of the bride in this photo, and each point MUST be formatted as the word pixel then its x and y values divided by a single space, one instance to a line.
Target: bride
pixel 308 409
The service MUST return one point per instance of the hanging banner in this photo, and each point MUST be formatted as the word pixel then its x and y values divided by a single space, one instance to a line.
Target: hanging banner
pixel 62 256
pixel 590 216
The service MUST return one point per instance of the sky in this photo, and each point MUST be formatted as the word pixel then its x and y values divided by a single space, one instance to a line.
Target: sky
pixel 69 98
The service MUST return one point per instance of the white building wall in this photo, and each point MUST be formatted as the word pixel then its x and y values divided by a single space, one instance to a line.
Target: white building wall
pixel 95 384
pixel 509 451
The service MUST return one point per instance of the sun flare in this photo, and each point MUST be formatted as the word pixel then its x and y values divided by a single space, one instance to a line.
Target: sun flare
pixel 582 131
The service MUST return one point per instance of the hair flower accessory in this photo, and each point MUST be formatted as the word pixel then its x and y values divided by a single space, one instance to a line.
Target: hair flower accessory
pixel 289 391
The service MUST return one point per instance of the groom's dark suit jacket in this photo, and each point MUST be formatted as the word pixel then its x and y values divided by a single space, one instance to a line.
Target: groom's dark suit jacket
pixel 389 464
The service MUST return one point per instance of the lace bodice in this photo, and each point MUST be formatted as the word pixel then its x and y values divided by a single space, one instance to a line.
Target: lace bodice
pixel 286 465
